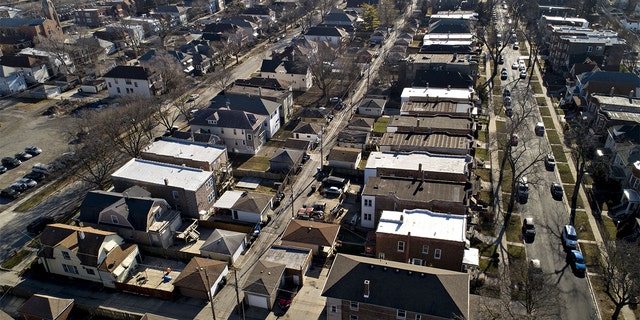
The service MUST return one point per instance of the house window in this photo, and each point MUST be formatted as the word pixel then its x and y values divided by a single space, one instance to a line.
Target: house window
pixel 381 255
pixel 353 317
pixel 353 306
pixel 368 202
pixel 115 80
pixel 249 137
pixel 437 253
pixel 400 246
pixel 367 216
pixel 109 84
pixel 401 314
pixel 235 131
pixel 135 84
pixel 69 268
pixel 589 48
pixel 127 81
pixel 90 271
pixel 66 255
pixel 175 195
pixel 334 309
pixel 418 317
pixel 118 90
pixel 209 183
pixel 211 196
pixel 114 219
pixel 417 262
pixel 425 249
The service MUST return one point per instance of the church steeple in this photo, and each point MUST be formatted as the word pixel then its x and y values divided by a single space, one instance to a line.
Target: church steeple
pixel 49 12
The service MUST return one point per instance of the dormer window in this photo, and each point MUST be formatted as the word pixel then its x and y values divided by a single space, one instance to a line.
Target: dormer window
pixel 212 122
pixel 114 219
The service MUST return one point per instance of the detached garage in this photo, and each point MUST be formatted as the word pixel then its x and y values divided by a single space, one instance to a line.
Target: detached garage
pixel 263 283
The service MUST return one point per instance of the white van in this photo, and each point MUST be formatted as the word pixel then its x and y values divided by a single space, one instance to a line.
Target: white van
pixel 539 129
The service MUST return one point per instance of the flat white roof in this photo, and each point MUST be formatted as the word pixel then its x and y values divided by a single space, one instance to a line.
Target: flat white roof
pixel 445 36
pixel 156 172
pixel 185 150
pixel 452 94
pixel 424 224
pixel 228 199
pixel 412 161
pixel 446 42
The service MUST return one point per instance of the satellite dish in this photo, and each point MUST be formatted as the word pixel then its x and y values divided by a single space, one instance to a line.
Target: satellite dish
pixel 81 234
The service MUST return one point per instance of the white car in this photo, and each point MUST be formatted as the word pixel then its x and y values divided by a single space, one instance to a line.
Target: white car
pixel 515 66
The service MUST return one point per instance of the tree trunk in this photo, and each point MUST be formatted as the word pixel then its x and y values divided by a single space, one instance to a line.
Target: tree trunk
pixel 616 311
pixel 576 189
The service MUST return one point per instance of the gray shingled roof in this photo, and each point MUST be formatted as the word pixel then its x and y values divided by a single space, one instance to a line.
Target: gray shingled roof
pixel 135 207
pixel 289 156
pixel 324 31
pixel 255 105
pixel 19 22
pixel 253 202
pixel 127 72
pixel 45 307
pixel 264 278
pixel 429 291
pixel 223 241
pixel 312 128
pixel 235 119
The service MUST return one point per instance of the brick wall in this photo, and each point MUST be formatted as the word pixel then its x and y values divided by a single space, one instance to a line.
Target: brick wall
pixel 450 257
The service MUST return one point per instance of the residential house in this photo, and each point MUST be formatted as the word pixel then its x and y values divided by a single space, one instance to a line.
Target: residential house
pixel 91 17
pixel 263 13
pixel 175 15
pixel 622 151
pixel 293 73
pixel 249 29
pixel 54 64
pixel 11 45
pixel 603 83
pixel 355 6
pixel 296 144
pixel 201 278
pixel 372 107
pixel 610 110
pixel 32 69
pixel 284 160
pixel 243 206
pixel 32 29
pixel 133 214
pixel 392 193
pixel 346 158
pixel 332 35
pixel 604 46
pixel 12 83
pixel 422 237
pixel 309 131
pixel 296 260
pixel 188 190
pixel 435 143
pixel 415 107
pixel 367 288
pixel 255 105
pixel 224 245
pixel 185 60
pixel 339 18
pixel 242 132
pixel 433 94
pixel 44 307
pixel 192 154
pixel 379 35
pixel 361 124
pixel 313 115
pixel 320 237
pixel 264 88
pixel 418 165
pixel 355 139
pixel 87 253
pixel 414 66
pixel 125 35
pixel 264 280
pixel 431 124
pixel 132 81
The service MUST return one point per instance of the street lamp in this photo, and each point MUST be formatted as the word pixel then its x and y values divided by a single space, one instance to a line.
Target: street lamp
pixel 209 293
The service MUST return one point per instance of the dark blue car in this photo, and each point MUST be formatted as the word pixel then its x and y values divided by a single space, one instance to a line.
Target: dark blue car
pixel 576 261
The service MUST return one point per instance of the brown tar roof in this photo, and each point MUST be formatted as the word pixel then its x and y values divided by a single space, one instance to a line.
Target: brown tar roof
pixel 45 307
pixel 311 232
pixel 264 278
pixel 416 190
pixel 359 123
pixel 117 255
pixel 443 123
pixel 193 278
pixel 67 236
pixel 437 108
pixel 434 140
pixel 343 154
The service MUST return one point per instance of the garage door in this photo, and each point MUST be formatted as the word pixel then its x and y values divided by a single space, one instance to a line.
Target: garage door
pixel 257 301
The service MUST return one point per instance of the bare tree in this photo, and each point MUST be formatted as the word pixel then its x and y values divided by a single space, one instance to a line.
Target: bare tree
pixel 57 47
pixel 127 37
pixel 221 53
pixel 170 71
pixel 321 63
pixel 221 78
pixel 236 43
pixel 387 13
pixel 130 126
pixel 621 274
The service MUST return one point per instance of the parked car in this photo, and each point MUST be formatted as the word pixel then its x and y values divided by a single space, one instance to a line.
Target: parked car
pixel 539 129
pixel 334 100
pixel 3 169
pixel 23 156
pixel 333 191
pixel 43 168
pixel 500 59
pixel 36 176
pixel 528 230
pixel 19 186
pixel 515 66
pixel 30 183
pixel 507 101
pixel 503 74
pixel 10 162
pixel 556 191
pixel 514 139
pixel 506 92
pixel 550 162
pixel 523 75
pixel 576 261
pixel 523 190
pixel 9 193
pixel 509 112
pixel 39 224
pixel 34 151
pixel 516 46
pixel 193 97
pixel 569 237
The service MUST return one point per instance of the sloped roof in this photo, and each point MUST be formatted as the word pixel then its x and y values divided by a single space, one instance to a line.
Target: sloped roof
pixel 261 11
pixel 191 277
pixel 151 316
pixel 228 119
pixel 325 32
pixel 359 3
pixel 339 16
pixel 289 156
pixel 443 293
pixel 297 144
pixel 314 113
pixel 450 26
pixel 223 242
pixel 271 83
pixel 311 232
pixel 45 307
pixel 19 22
pixel 373 103
pixel 131 206
pixel 442 79
pixel 253 202
pixel 87 249
pixel 304 127
pixel 343 154
pixel 116 256
pixel 360 122
pixel 353 136
pixel 264 278
pixel 127 72
pixel 255 105
pixel 171 9
pixel 608 76
pixel 18 61
pixel 292 67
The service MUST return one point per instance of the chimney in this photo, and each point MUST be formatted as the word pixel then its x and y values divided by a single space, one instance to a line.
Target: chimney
pixel 427 85
pixel 631 96
pixel 449 88
pixel 402 217
pixel 419 167
pixel 418 123
pixel 612 91
pixel 166 181
pixel 81 234
pixel 367 288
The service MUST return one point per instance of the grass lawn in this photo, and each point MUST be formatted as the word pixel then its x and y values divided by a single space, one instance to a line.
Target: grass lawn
pixel 537 89
pixel 610 229
pixel 15 259
pixel 41 195
pixel 548 122
pixel 514 233
pixel 505 187
pixel 553 136
pixel 500 126
pixel 497 91
pixel 516 253
pixel 558 153
pixel 541 101
pixel 482 137
pixel 481 153
pixel 485 196
pixel 488 267
pixel 256 163
pixel 591 254
pixel 583 228
pixel 544 111
pixel 560 112
pixel 604 302
pixel 565 174
pixel 381 125
pixel 275 143
pixel 568 192
pixel 486 249
pixel 484 174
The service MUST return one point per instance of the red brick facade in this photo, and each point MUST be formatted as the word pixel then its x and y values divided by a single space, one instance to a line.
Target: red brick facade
pixel 451 253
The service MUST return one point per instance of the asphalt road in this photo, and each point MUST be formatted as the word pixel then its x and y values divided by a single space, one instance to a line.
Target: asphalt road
pixel 549 215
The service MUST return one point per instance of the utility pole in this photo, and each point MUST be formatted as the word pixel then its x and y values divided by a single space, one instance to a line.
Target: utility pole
pixel 209 293
pixel 240 304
